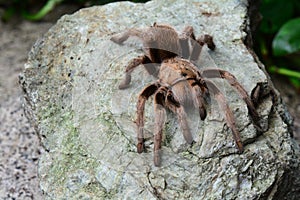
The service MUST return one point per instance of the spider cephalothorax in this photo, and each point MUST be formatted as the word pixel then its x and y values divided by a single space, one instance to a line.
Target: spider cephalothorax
pixel 180 82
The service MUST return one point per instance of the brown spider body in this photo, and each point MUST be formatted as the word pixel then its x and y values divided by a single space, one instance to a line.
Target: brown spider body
pixel 180 83
pixel 161 42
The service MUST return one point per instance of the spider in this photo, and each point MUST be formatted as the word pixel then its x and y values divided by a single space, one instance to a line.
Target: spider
pixel 180 83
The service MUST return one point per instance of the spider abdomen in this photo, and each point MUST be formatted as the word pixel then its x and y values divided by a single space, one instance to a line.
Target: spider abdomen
pixel 180 89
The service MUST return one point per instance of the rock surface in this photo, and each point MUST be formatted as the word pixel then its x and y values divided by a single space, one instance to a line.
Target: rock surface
pixel 86 124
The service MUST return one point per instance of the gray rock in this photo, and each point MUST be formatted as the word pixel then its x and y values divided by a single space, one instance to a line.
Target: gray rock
pixel 87 125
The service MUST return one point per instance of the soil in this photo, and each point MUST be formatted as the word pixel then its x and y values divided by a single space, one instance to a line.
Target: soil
pixel 20 147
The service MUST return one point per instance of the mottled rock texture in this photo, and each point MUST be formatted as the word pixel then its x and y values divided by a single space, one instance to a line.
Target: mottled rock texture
pixel 87 125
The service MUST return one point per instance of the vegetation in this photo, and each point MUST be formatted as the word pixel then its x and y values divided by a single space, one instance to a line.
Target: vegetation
pixel 277 41
pixel 24 7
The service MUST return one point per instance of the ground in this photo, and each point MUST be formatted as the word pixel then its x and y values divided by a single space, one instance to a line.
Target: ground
pixel 20 147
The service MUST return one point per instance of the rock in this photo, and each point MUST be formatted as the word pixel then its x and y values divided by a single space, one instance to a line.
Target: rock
pixel 86 124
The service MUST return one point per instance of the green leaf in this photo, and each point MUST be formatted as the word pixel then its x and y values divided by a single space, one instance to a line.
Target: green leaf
pixel 284 71
pixel 295 82
pixel 275 13
pixel 287 40
pixel 8 13
pixel 41 13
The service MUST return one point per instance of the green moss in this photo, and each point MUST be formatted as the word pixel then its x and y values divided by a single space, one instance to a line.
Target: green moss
pixel 107 119
pixel 167 132
pixel 71 157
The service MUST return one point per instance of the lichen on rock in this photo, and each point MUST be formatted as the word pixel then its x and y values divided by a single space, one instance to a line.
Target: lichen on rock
pixel 86 123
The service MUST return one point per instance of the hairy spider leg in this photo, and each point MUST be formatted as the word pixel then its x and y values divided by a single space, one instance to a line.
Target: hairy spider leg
pixel 121 38
pixel 132 65
pixel 151 69
pixel 198 44
pixel 199 91
pixel 164 98
pixel 173 104
pixel 184 37
pixel 219 73
pixel 256 94
pixel 143 97
pixel 229 117
pixel 160 117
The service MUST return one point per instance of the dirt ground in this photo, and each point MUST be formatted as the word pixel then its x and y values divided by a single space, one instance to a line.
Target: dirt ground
pixel 20 148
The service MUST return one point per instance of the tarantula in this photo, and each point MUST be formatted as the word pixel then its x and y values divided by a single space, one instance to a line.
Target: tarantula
pixel 180 83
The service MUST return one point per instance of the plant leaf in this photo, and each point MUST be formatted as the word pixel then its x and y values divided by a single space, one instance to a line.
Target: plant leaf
pixel 44 10
pixel 287 40
pixel 275 13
